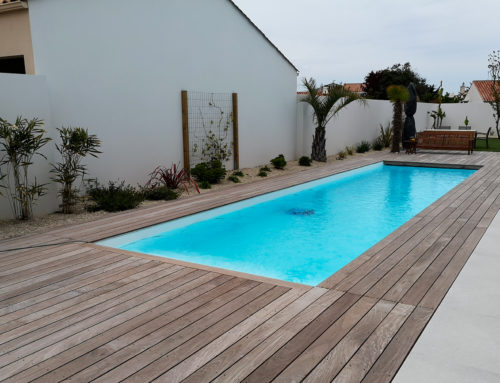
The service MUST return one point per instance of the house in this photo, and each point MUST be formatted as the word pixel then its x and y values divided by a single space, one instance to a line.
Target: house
pixel 118 67
pixel 480 91
pixel 355 87
pixel 16 51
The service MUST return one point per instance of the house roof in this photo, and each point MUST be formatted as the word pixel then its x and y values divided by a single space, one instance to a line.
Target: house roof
pixel 263 35
pixel 354 87
pixel 485 90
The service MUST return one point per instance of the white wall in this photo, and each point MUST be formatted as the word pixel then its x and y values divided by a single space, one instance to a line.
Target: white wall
pixel 118 67
pixel 353 124
pixel 480 115
pixel 27 96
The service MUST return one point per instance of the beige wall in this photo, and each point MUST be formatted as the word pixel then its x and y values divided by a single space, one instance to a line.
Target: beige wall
pixel 15 37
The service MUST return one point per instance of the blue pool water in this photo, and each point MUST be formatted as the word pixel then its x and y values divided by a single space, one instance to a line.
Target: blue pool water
pixel 302 234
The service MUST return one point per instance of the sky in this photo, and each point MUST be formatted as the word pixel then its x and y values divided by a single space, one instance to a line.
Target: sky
pixel 342 40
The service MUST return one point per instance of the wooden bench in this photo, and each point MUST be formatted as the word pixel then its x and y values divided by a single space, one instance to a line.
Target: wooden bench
pixel 446 140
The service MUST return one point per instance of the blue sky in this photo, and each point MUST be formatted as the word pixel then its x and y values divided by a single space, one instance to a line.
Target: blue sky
pixel 338 40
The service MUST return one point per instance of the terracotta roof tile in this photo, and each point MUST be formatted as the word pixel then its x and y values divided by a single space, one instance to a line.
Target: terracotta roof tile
pixel 354 87
pixel 484 88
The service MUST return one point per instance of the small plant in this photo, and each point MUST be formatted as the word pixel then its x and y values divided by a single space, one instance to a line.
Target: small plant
pixel 76 143
pixel 234 179
pixel 378 144
pixel 211 172
pixel 279 162
pixel 265 169
pixel 341 155
pixel 466 121
pixel 205 185
pixel 349 150
pixel 160 193
pixel 114 197
pixel 20 142
pixel 171 177
pixel 305 161
pixel 386 134
pixel 238 173
pixel 363 147
pixel 262 173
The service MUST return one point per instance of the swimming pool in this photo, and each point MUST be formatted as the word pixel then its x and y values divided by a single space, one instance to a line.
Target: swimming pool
pixel 304 233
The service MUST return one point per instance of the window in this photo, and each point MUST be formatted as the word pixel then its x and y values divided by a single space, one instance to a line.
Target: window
pixel 13 64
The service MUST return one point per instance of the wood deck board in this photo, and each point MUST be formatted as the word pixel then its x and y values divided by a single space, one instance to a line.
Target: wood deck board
pixel 76 311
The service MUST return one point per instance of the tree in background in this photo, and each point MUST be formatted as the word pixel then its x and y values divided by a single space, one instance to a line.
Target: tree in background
pixel 494 69
pixel 398 94
pixel 325 106
pixel 376 83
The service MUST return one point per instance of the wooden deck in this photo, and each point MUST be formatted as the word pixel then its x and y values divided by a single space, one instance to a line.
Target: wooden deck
pixel 80 312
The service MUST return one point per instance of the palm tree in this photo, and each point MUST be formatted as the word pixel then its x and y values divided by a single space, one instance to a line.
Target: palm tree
pixel 325 107
pixel 397 94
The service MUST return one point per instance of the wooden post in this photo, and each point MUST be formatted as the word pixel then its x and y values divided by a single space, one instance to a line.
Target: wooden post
pixel 185 130
pixel 236 147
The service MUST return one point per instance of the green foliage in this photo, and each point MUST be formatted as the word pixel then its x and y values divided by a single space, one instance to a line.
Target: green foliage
pixel 114 197
pixel 19 143
pixel 238 173
pixel 305 161
pixel 341 155
pixel 262 173
pixel 349 150
pixel 363 147
pixel 205 185
pixel 234 179
pixel 378 144
pixel 265 169
pixel 376 83
pixel 386 135
pixel 325 107
pixel 76 144
pixel 398 93
pixel 494 71
pixel 212 171
pixel 215 145
pixel 466 121
pixel 279 162
pixel 159 193
pixel 171 177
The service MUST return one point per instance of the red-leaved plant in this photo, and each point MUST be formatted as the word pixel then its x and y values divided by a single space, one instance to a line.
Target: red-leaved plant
pixel 171 177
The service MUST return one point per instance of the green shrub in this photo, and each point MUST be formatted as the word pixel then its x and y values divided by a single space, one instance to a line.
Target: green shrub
pixel 363 147
pixel 305 161
pixel 238 173
pixel 114 197
pixel 160 193
pixel 234 179
pixel 279 162
pixel 265 169
pixel 341 155
pixel 262 173
pixel 349 150
pixel 378 144
pixel 205 185
pixel 211 172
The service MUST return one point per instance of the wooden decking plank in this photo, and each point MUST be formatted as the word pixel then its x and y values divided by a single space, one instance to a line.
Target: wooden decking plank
pixel 53 298
pixel 336 359
pixel 302 340
pixel 102 356
pixel 387 365
pixel 307 360
pixel 104 268
pixel 237 360
pixel 45 348
pixel 169 352
pixel 368 353
pixel 270 323
pixel 107 342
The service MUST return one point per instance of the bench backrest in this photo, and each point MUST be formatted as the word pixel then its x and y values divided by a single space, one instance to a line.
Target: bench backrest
pixel 452 138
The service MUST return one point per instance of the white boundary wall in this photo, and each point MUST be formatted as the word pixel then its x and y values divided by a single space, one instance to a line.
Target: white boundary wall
pixel 27 96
